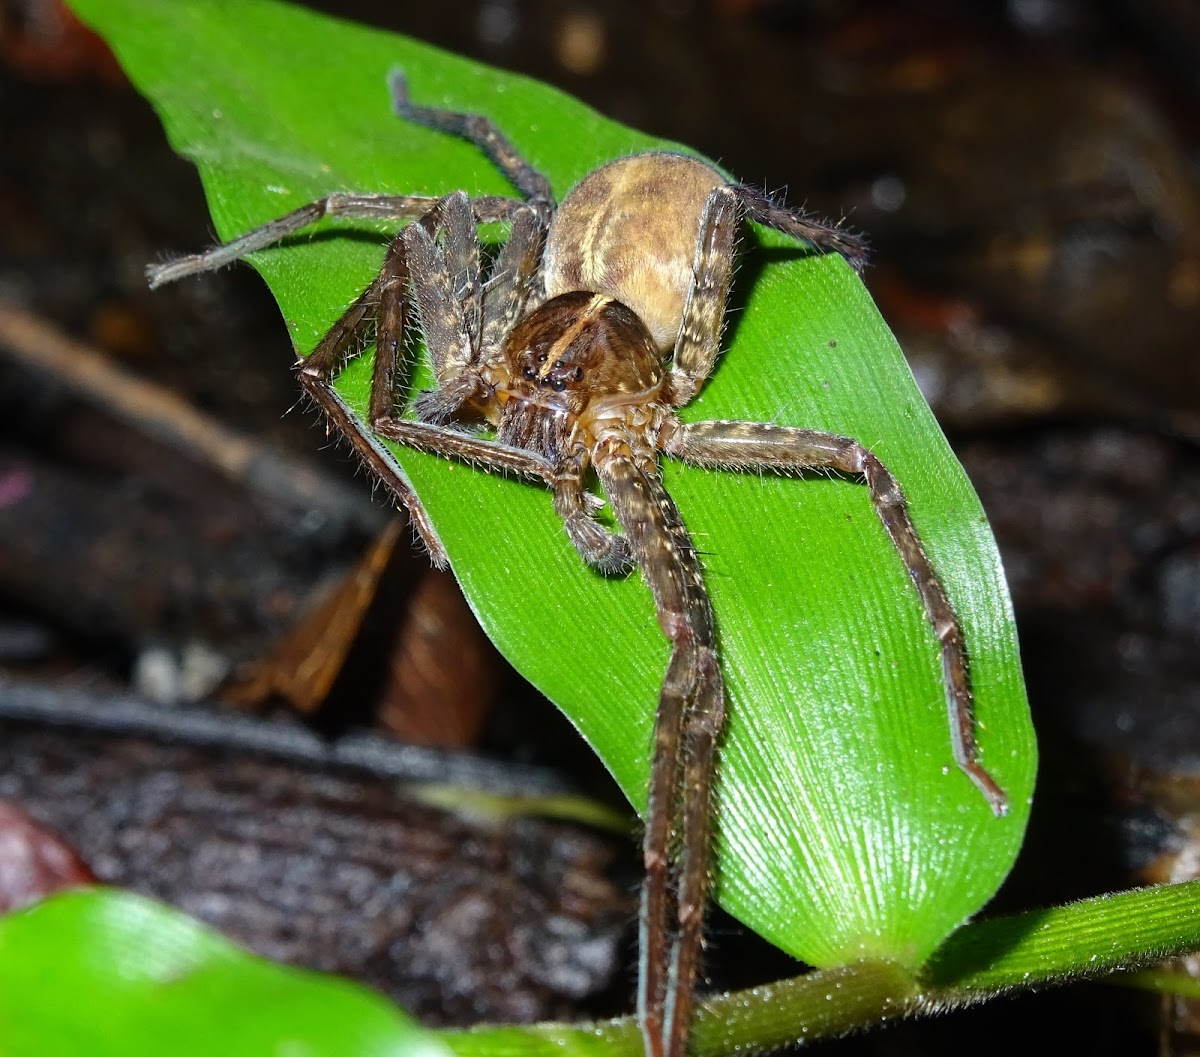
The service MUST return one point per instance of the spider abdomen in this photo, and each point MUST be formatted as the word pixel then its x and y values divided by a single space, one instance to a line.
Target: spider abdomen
pixel 629 230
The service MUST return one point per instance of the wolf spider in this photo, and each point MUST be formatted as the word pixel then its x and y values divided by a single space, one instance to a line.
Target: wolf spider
pixel 598 320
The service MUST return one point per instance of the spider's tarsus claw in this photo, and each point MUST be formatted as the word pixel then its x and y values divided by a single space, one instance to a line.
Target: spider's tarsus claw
pixel 856 249
pixel 996 798
pixel 398 85
pixel 438 557
pixel 166 271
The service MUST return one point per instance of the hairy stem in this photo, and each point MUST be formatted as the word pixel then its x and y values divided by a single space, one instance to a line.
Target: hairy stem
pixel 1039 947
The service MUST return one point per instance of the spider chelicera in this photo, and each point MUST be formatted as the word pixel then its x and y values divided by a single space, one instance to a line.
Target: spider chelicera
pixel 599 318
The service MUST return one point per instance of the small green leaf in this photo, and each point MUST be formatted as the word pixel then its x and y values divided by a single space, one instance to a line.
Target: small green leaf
pixel 845 831
pixel 108 973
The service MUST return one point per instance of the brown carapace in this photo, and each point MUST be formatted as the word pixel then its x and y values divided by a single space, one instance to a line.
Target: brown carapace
pixel 568 357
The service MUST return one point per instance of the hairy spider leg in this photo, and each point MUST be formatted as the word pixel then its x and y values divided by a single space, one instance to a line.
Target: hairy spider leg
pixel 688 723
pixel 482 132
pixel 666 977
pixel 699 339
pixel 326 360
pixel 761 446
pixel 462 327
pixel 819 233
pixel 339 204
pixel 512 288
pixel 461 338
pixel 384 305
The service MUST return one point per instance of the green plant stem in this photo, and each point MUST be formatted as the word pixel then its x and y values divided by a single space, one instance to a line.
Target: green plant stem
pixel 1088 938
pixel 1039 947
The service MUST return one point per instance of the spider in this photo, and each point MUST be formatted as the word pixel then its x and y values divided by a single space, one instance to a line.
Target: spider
pixel 599 319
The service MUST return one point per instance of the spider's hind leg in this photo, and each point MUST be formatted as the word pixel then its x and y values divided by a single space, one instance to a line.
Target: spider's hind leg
pixel 823 235
pixel 699 339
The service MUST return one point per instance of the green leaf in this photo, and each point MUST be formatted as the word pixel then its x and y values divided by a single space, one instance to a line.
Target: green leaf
pixel 845 831
pixel 111 974
pixel 145 980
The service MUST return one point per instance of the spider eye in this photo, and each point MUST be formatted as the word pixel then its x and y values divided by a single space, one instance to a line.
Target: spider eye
pixel 529 374
pixel 541 357
pixel 558 384
pixel 578 375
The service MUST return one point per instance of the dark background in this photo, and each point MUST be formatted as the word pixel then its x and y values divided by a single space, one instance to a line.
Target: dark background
pixel 1027 173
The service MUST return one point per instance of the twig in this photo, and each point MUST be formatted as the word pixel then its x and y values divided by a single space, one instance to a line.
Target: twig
pixel 157 412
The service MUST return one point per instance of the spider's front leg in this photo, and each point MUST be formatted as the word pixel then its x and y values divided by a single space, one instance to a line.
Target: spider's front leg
pixel 451 326
pixel 466 324
pixel 687 728
pixel 341 204
pixel 761 446
pixel 317 370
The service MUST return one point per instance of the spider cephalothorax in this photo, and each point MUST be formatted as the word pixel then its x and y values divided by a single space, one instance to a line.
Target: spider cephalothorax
pixel 595 323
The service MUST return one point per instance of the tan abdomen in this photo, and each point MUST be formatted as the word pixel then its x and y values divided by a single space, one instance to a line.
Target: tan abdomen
pixel 628 230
